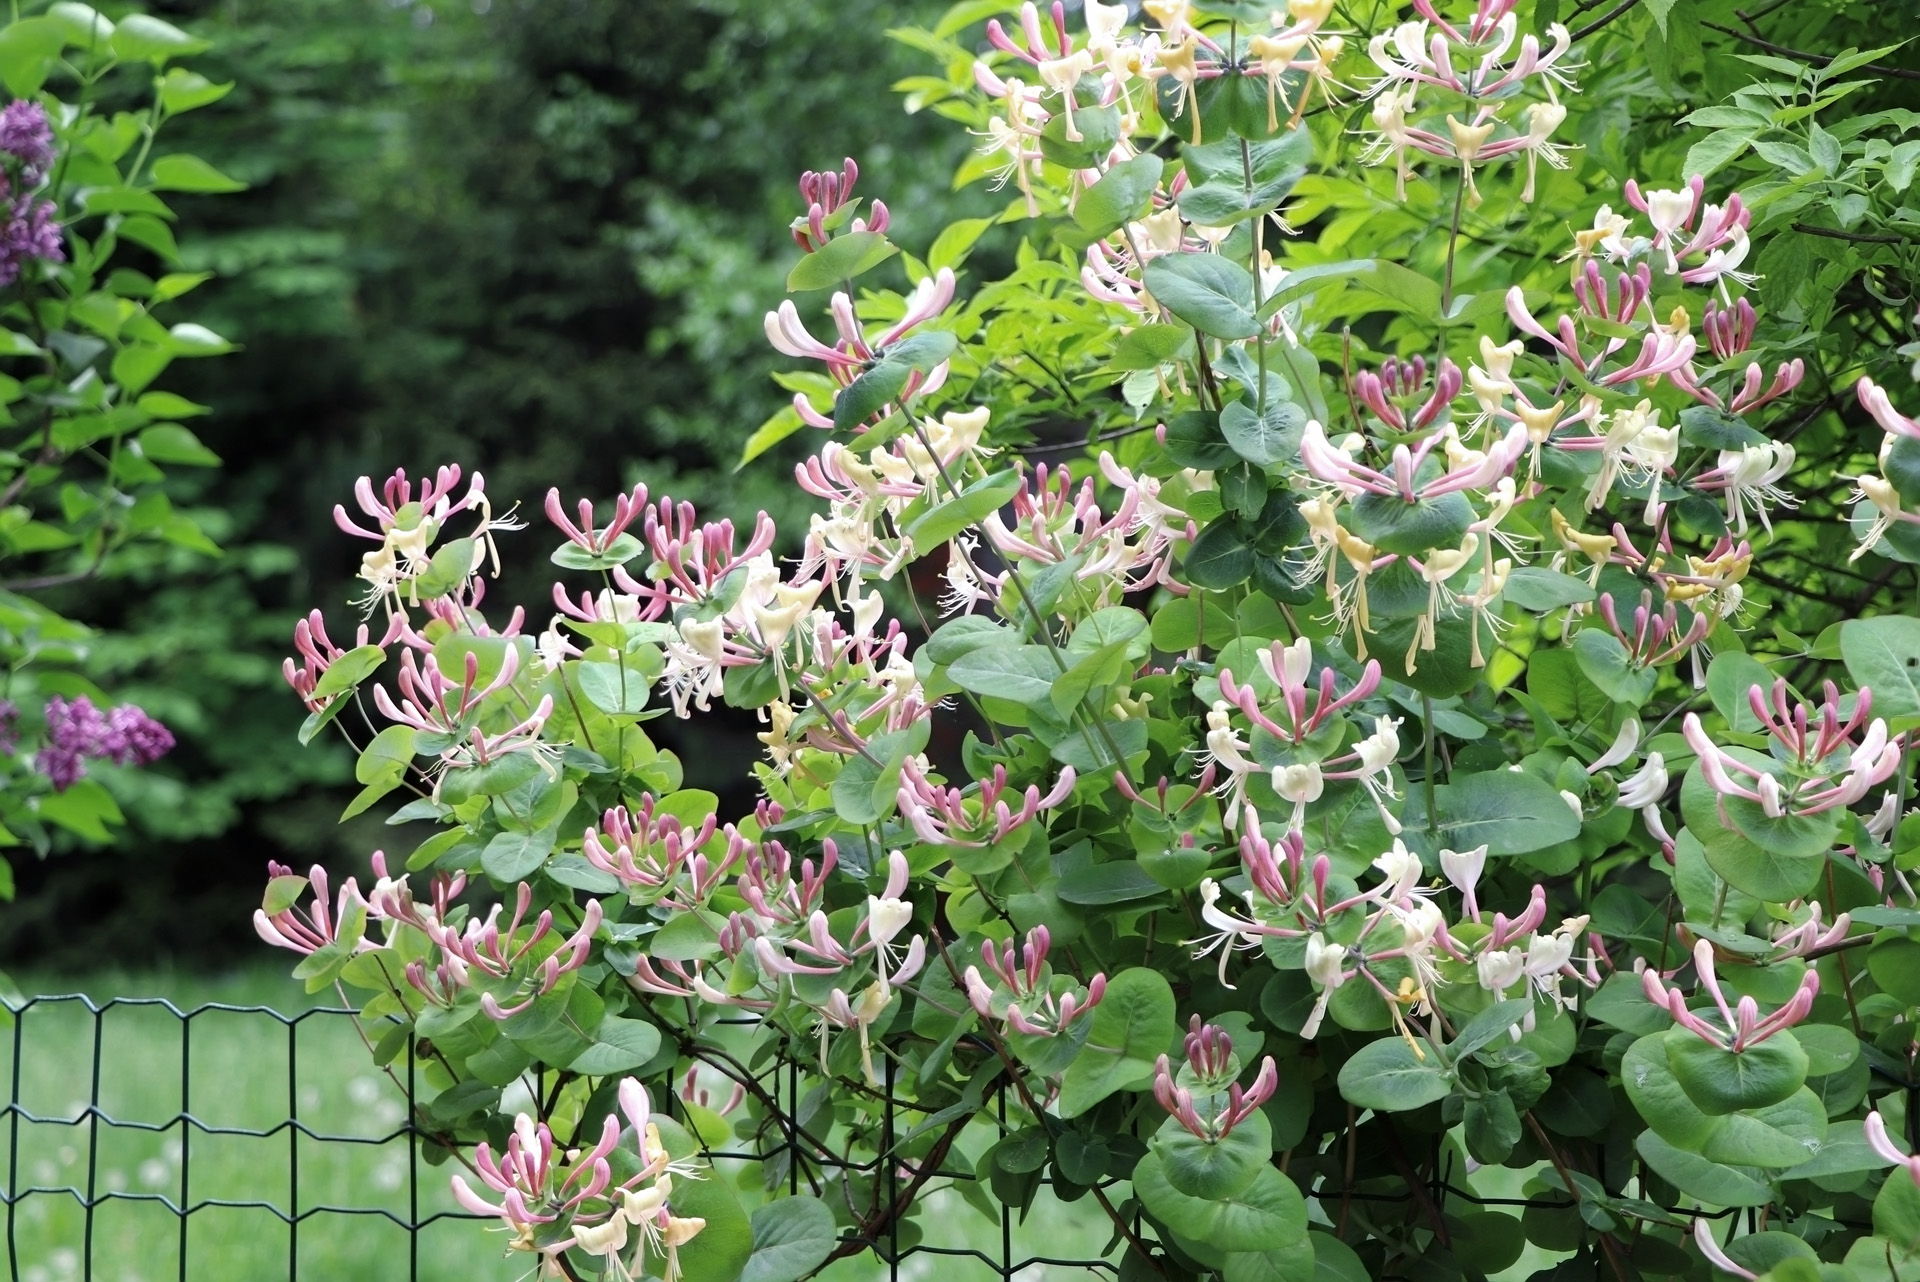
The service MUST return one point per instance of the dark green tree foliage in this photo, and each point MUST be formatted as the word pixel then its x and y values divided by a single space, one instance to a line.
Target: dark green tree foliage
pixel 506 238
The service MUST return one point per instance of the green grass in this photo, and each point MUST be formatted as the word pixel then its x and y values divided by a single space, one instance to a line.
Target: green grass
pixel 238 1077
pixel 237 1069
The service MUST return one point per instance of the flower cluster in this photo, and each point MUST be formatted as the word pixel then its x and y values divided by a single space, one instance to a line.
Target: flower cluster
pixel 78 732
pixel 552 1201
pixel 28 232
pixel 1468 77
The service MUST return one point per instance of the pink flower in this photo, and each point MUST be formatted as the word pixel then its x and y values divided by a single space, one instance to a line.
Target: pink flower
pixel 1741 1026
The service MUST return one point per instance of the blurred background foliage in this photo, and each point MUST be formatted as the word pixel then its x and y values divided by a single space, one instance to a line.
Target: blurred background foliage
pixel 538 237
pixel 533 236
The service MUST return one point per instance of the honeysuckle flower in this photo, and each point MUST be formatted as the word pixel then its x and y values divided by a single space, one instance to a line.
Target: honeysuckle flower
pixel 656 857
pixel 1326 967
pixel 583 535
pixel 1625 740
pixel 1670 211
pixel 854 351
pixel 1023 992
pixel 1811 738
pixel 952 817
pixel 1709 1245
pixel 1810 935
pixel 1740 1026
pixel 826 194
pixel 1645 787
pixel 1747 476
pixel 1875 1130
pixel 1462 868
pixel 320 926
pixel 1301 784
pixel 1207 1051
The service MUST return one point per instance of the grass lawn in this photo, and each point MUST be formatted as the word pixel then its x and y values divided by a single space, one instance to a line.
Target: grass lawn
pixel 234 1069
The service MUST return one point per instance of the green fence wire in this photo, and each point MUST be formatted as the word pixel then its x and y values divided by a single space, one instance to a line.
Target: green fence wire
pixel 352 1185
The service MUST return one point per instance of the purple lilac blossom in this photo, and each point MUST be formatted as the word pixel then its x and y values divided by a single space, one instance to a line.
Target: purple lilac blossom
pixel 27 135
pixel 27 227
pixel 133 738
pixel 76 731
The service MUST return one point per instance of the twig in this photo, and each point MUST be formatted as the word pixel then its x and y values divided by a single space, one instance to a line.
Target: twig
pixel 1604 19
pixel 1864 237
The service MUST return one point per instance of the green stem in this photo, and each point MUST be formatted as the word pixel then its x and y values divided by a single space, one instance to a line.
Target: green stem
pixel 1426 755
pixel 1453 242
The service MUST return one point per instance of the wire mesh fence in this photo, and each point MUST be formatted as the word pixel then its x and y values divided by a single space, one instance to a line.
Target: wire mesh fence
pixel 146 1141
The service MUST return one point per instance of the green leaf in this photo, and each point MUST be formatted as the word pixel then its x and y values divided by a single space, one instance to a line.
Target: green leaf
pixel 1884 655
pixel 973 504
pixel 886 379
pixel 1720 1081
pixel 1695 1176
pixel 1392 524
pixel 1489 1025
pixel 1388 1077
pixel 1656 1095
pixel 1606 663
pixel 721 1250
pixel 27 51
pixel 1117 881
pixel 1785 866
pixel 1266 1216
pixel 1151 346
pixel 1510 812
pixel 619 1046
pixel 614 688
pixel 955 241
pixel 349 670
pixel 140 36
pixel 1539 591
pixel 1021 674
pixel 1221 557
pixel 1264 439
pixel 190 173
pixel 1729 677
pixel 182 90
pixel 172 443
pixel 1120 196
pixel 1210 293
pixel 784 423
pixel 1782 1135
pixel 840 259
pixel 1132 1026
pixel 513 857
pixel 792 1237
pixel 1218 1169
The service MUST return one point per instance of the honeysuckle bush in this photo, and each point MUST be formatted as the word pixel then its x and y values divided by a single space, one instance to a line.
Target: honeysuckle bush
pixel 1284 725
pixel 88 282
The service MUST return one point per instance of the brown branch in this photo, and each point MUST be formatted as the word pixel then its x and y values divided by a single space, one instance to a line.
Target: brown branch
pixel 1604 19
pixel 869 1229
pixel 1623 1270
pixel 1864 237
pixel 1815 60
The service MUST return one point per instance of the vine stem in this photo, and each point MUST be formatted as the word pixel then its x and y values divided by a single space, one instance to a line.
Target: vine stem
pixel 1426 754
pixel 1453 241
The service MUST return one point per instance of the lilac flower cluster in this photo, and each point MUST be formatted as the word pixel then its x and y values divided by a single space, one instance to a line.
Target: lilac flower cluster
pixel 78 731
pixel 27 227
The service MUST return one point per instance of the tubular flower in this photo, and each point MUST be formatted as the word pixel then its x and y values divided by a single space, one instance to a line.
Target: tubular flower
pixel 1740 1026
pixel 1826 766
pixel 1209 1070
pixel 1024 993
